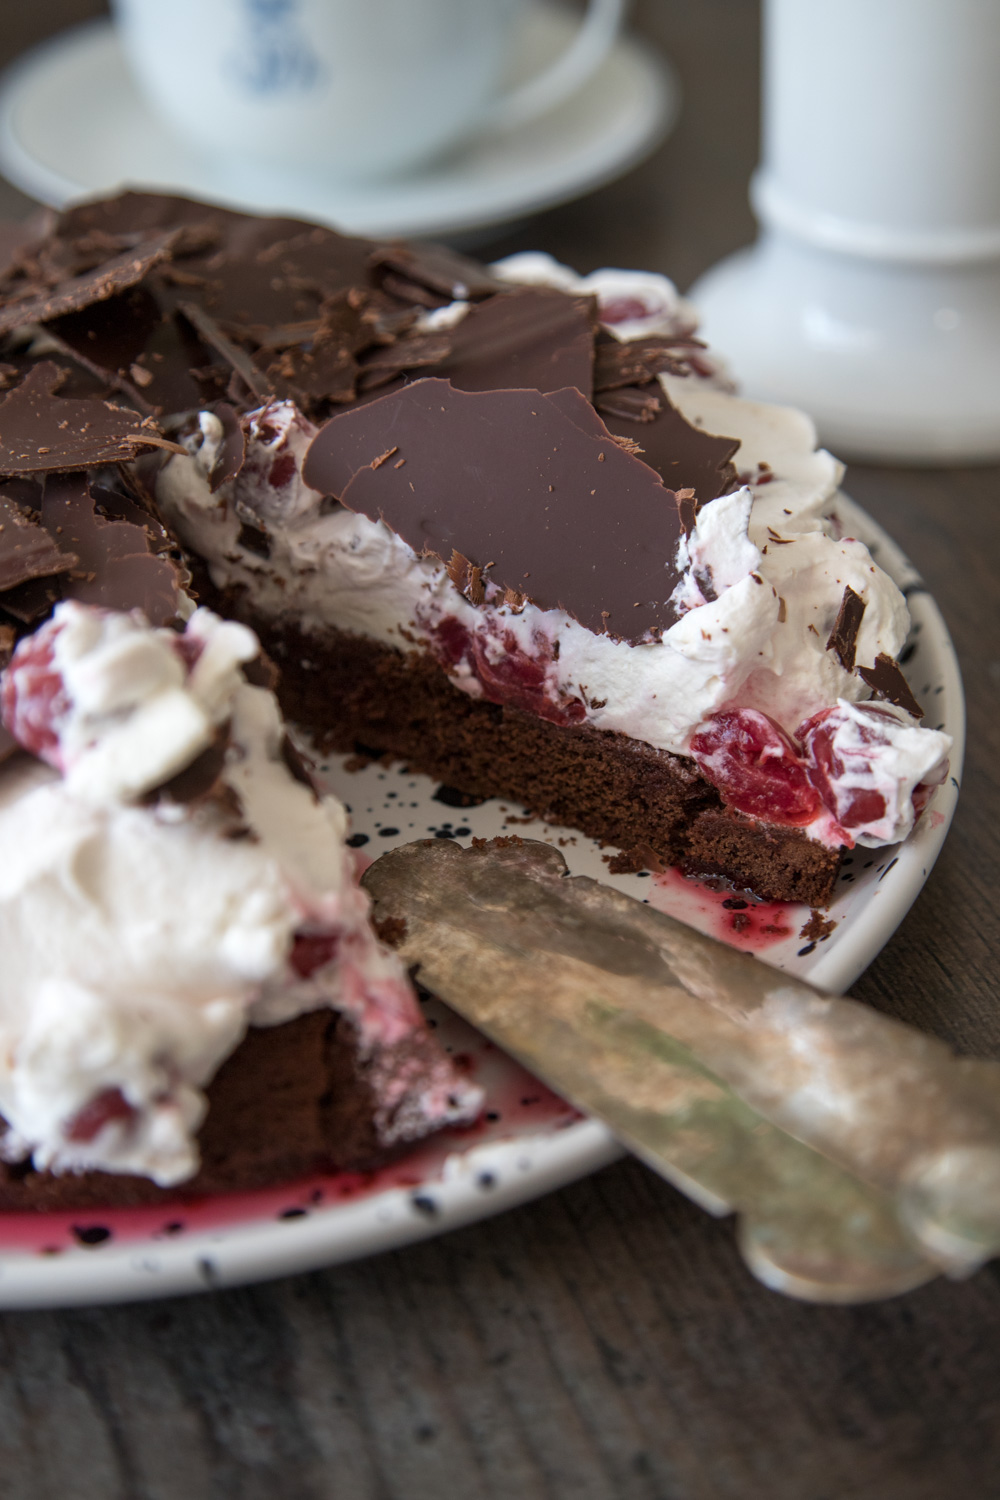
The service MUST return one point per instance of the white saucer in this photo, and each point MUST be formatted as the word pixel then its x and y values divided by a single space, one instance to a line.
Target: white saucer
pixel 72 123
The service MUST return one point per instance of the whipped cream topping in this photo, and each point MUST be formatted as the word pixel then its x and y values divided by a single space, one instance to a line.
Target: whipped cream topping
pixel 764 571
pixel 141 937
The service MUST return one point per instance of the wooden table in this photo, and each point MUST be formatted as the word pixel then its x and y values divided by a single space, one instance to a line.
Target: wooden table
pixel 605 1343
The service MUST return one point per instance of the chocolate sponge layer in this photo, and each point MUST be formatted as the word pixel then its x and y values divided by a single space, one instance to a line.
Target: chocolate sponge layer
pixel 654 806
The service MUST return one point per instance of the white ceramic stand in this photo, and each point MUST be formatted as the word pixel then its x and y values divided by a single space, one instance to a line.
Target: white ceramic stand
pixel 872 298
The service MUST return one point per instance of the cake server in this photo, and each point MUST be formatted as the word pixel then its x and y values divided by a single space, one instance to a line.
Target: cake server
pixel 861 1156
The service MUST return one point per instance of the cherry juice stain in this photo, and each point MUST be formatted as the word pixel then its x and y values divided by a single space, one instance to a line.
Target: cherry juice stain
pixel 716 909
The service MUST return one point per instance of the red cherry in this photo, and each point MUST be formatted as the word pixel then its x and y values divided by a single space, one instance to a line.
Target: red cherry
pixel 34 699
pixel 510 677
pixel 624 310
pixel 756 766
pixel 853 807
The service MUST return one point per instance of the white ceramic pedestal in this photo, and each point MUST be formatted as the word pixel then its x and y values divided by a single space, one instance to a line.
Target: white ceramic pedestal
pixel 872 298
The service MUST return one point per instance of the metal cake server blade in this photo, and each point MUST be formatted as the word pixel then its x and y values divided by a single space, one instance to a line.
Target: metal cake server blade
pixel 861 1156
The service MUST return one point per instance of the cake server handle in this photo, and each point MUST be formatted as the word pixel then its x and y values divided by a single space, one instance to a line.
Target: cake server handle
pixel 861 1156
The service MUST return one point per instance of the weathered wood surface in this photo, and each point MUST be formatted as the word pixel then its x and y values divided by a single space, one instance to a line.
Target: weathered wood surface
pixel 605 1343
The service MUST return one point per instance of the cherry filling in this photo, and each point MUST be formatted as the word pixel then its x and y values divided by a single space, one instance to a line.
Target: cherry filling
pixel 106 1106
pixel 508 676
pixel 311 950
pixel 282 470
pixel 33 697
pixel 756 767
pixel 624 310
pixel 852 806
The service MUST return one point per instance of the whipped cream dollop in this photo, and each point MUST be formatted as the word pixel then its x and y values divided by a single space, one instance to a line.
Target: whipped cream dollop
pixel 146 923
pixel 764 570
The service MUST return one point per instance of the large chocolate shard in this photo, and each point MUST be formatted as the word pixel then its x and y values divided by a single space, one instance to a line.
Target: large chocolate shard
pixel 530 489
pixel 42 432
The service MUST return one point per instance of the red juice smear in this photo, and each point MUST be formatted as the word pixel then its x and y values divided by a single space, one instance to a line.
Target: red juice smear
pixel 731 916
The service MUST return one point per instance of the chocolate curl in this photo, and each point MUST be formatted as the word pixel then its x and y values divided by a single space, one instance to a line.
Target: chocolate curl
pixel 467 578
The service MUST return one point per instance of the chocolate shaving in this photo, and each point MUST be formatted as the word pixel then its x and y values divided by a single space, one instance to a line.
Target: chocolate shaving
pixel 886 681
pixel 687 509
pixel 42 432
pixel 467 578
pixel 531 484
pixel 843 638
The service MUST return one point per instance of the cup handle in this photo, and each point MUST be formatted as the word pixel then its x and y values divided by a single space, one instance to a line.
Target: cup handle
pixel 568 73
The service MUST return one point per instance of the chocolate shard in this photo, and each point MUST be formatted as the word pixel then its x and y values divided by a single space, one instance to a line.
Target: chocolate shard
pixel 619 363
pixel 199 781
pixel 26 549
pixel 256 381
pixel 532 338
pixel 843 639
pixel 448 276
pixel 533 487
pixel 232 449
pixel 42 432
pixel 886 681
pixel 107 279
pixel 631 403
pixel 116 569
pixel 30 602
pixel 684 456
pixel 412 352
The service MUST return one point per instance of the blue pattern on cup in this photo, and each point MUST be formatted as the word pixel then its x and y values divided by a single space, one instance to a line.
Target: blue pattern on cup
pixel 274 55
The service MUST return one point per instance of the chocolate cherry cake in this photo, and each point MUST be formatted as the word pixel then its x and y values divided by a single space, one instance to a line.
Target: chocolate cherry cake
pixel 506 522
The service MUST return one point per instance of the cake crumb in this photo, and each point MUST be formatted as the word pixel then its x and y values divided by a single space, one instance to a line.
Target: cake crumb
pixel 817 927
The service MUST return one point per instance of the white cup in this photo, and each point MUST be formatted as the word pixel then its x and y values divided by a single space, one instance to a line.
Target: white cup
pixel 356 88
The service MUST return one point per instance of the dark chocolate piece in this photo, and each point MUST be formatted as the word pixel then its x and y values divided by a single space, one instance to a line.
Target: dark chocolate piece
pixel 516 486
pixel 687 510
pixel 412 352
pixel 232 449
pixel 26 549
pixel 533 338
pixel 618 363
pixel 886 681
pixel 255 380
pixel 450 277
pixel 843 638
pixel 41 432
pixel 116 568
pixel 684 456
pixel 631 403
pixel 109 278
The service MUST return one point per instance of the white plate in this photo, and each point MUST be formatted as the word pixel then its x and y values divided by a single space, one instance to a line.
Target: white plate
pixel 535 1143
pixel 72 122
